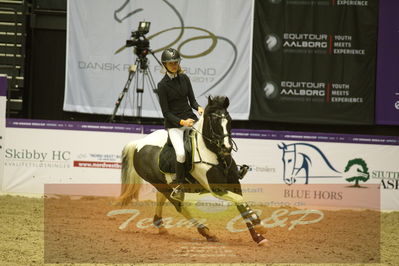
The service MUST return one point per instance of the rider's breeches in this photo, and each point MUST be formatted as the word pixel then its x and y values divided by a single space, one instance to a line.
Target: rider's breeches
pixel 176 137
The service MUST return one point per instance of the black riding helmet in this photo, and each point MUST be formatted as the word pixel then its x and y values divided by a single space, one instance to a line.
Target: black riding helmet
pixel 170 55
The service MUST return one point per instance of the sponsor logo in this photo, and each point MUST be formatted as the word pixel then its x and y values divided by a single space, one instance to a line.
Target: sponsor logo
pixel 262 169
pixel 298 159
pixel 96 160
pixel 308 91
pixel 271 90
pixel 351 2
pixel 89 164
pixel 305 40
pixel 389 179
pixel 37 158
pixel 272 42
pixel 101 157
pixel 311 43
pixel 397 105
pixel 324 2
pixel 358 171
pixel 313 194
pixel 26 154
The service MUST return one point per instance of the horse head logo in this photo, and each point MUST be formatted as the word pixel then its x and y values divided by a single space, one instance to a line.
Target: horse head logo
pixel 297 161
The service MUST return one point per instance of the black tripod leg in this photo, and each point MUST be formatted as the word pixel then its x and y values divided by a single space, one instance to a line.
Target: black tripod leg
pixel 132 71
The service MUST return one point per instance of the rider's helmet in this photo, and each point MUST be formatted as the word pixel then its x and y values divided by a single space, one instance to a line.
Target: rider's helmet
pixel 170 55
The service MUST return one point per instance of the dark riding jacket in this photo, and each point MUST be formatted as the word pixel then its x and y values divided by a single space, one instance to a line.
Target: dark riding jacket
pixel 177 100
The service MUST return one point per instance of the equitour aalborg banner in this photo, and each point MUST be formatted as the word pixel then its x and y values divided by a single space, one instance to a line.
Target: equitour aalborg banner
pixel 213 37
pixel 314 61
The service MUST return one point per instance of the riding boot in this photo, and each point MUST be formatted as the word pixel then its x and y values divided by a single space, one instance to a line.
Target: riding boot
pixel 178 190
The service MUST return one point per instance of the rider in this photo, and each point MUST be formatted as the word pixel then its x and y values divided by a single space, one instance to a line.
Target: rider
pixel 177 100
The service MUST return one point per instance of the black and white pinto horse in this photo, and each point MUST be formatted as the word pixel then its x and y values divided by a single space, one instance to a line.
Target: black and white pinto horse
pixel 213 168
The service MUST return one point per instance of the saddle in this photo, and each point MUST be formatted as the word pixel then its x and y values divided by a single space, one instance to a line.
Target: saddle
pixel 167 156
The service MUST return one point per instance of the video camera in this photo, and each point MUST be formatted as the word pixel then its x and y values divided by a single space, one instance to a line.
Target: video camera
pixel 139 41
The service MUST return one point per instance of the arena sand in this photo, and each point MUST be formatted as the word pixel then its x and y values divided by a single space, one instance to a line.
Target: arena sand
pixel 67 230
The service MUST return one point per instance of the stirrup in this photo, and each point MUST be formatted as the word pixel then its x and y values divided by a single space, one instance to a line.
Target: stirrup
pixel 177 193
pixel 243 170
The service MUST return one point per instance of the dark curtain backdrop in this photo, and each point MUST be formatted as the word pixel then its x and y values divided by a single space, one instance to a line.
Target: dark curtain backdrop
pixel 45 77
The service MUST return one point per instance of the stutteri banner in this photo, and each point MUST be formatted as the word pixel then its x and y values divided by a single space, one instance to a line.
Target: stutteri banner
pixel 213 36
pixel 314 61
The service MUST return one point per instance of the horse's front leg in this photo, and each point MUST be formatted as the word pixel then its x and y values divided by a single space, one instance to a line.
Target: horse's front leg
pixel 253 223
pixel 157 221
pixel 251 219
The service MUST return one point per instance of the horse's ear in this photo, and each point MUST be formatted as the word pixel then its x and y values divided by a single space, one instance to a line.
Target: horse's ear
pixel 226 102
pixel 282 146
pixel 210 99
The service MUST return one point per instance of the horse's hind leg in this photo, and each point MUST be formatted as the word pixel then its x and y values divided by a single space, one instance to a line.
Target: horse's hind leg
pixel 202 229
pixel 158 213
pixel 161 198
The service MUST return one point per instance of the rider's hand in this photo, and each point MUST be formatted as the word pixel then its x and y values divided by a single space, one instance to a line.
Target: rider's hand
pixel 187 123
pixel 200 110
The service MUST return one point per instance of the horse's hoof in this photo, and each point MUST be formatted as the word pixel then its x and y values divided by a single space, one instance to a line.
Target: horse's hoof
pixel 204 231
pixel 212 239
pixel 264 243
pixel 163 231
pixel 259 228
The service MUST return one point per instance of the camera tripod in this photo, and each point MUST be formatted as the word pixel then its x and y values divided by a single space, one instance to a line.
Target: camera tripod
pixel 140 66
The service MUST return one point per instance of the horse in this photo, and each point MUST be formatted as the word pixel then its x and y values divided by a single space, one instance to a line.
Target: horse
pixel 297 158
pixel 213 168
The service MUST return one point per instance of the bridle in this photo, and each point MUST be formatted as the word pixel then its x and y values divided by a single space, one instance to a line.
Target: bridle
pixel 217 140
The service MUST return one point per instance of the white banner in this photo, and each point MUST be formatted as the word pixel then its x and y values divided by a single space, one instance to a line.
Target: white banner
pixel 295 163
pixel 3 103
pixel 215 46
pixel 36 155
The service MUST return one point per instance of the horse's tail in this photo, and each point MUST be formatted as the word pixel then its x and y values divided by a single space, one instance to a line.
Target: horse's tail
pixel 131 181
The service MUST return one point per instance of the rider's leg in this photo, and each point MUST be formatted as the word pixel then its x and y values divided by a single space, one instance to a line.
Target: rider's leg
pixel 176 137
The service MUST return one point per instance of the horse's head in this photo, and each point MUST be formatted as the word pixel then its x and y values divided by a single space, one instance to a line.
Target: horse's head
pixel 217 126
pixel 289 159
